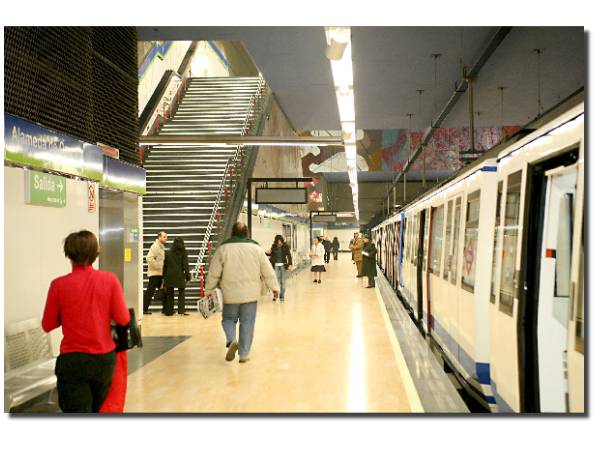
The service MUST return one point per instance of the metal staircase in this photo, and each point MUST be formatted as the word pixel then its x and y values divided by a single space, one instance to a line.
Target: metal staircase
pixel 189 186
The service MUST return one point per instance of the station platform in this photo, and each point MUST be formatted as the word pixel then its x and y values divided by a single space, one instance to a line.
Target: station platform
pixel 329 348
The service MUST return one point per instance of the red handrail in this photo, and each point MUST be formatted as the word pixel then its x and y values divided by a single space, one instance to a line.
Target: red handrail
pixel 201 281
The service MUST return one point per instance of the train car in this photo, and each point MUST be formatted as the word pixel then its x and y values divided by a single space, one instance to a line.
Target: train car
pixel 491 266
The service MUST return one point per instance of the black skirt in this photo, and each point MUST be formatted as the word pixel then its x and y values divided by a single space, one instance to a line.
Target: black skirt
pixel 318 269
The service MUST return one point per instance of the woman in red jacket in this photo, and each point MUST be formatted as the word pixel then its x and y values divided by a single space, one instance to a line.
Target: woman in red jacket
pixel 83 303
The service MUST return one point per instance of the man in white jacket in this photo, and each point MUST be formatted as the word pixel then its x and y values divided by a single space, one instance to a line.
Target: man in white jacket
pixel 155 259
pixel 239 267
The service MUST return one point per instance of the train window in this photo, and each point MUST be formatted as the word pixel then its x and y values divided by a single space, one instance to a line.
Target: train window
pixel 496 243
pixel 448 236
pixel 470 246
pixel 453 268
pixel 437 236
pixel 410 238
pixel 508 272
pixel 415 242
pixel 426 240
pixel 402 240
pixel 563 246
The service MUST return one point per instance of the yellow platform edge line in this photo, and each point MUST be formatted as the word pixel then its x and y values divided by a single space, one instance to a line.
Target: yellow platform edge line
pixel 409 386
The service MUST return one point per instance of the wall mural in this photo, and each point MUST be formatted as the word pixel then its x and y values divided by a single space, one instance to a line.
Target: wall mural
pixel 388 150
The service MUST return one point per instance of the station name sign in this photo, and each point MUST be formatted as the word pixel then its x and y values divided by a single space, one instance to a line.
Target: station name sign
pixel 33 145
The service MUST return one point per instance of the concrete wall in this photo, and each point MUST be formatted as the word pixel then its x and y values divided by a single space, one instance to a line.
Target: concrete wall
pixel 344 235
pixel 156 69
pixel 33 238
pixel 206 62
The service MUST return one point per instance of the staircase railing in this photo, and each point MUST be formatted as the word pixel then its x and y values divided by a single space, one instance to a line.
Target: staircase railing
pixel 256 107
pixel 198 271
pixel 163 105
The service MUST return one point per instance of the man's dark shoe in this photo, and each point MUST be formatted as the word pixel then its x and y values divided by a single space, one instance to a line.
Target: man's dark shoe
pixel 230 356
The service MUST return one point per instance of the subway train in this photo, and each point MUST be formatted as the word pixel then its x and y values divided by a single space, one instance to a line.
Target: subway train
pixel 490 265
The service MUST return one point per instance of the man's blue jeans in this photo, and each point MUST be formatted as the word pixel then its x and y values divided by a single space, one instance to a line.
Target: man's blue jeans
pixel 280 272
pixel 246 314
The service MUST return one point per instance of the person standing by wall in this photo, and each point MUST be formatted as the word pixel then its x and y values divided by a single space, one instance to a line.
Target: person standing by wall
pixel 356 247
pixel 327 246
pixel 368 261
pixel 83 303
pixel 239 267
pixel 281 260
pixel 176 272
pixel 317 253
pixel 335 248
pixel 155 259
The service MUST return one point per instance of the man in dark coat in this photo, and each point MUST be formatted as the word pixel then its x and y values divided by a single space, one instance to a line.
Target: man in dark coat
pixel 368 260
pixel 327 245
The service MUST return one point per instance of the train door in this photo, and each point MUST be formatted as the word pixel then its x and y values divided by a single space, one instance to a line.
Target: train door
pixel 401 250
pixel 546 265
pixel 554 286
pixel 420 265
pixel 576 333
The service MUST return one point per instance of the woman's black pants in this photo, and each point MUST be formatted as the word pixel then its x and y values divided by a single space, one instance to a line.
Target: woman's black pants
pixel 169 307
pixel 83 380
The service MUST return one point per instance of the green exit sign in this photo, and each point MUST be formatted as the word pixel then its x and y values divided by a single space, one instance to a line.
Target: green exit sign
pixel 45 189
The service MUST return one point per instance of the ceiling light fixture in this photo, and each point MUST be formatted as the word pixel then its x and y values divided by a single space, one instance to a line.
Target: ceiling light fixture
pixel 339 53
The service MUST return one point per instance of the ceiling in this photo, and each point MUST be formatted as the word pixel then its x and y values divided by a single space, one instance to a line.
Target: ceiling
pixel 391 63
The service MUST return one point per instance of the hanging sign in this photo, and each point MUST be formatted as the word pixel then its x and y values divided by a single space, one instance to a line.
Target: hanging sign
pixel 91 188
pixel 45 189
pixel 109 151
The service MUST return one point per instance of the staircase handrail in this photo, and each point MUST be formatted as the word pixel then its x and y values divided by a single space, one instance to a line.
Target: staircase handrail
pixel 254 108
pixel 211 221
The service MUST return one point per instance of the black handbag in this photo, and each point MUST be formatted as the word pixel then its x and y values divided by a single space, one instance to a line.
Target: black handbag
pixel 127 336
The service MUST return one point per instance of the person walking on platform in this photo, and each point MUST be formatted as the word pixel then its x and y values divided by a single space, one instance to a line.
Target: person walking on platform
pixel 176 272
pixel 317 253
pixel 281 260
pixel 327 247
pixel 335 248
pixel 239 267
pixel 356 246
pixel 83 303
pixel 368 261
pixel 155 259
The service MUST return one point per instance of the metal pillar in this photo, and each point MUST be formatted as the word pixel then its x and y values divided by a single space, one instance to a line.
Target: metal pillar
pixel 404 188
pixel 423 172
pixel 471 115
pixel 249 209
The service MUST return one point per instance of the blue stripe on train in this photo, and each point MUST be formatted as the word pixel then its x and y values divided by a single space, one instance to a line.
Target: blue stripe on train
pixel 480 371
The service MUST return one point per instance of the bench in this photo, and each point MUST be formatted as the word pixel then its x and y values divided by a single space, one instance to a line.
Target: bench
pixel 28 363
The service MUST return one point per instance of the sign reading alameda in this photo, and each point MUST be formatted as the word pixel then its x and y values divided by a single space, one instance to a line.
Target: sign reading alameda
pixel 29 144
pixel 34 145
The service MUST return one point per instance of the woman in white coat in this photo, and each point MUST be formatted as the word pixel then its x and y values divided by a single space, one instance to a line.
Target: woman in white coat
pixel 317 252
